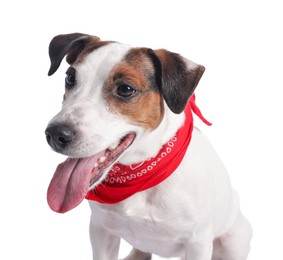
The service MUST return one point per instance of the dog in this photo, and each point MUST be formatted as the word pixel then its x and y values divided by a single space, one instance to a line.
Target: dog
pixel 150 176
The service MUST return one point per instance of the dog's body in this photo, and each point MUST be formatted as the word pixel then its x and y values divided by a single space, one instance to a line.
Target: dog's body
pixel 117 93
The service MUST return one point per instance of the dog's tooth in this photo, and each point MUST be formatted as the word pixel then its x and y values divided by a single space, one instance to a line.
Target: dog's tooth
pixel 114 145
pixel 95 165
pixel 102 159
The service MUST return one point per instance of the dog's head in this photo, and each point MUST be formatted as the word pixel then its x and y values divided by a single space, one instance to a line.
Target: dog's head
pixel 113 94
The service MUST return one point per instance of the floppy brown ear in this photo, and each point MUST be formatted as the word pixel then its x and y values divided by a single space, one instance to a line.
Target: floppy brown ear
pixel 179 78
pixel 72 44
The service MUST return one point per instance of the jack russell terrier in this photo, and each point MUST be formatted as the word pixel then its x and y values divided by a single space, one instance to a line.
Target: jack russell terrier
pixel 150 176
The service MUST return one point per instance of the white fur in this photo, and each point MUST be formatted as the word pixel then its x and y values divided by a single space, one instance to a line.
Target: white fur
pixel 183 216
pixel 194 214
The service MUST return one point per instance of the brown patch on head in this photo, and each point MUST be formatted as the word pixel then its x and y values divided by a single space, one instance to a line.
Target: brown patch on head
pixel 145 106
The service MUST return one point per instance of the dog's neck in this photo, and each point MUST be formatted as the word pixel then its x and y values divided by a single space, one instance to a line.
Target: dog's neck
pixel 148 145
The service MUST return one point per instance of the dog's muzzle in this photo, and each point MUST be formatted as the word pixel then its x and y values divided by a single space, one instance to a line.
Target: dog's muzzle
pixel 59 136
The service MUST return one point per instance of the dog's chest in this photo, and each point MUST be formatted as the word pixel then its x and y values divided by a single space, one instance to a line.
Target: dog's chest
pixel 143 228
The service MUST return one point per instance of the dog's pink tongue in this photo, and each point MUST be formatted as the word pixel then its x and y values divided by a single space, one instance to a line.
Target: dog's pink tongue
pixel 70 184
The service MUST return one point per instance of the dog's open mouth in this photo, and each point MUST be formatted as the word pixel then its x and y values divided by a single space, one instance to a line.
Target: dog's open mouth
pixel 76 176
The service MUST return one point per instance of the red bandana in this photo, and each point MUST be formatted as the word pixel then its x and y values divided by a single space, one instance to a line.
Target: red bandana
pixel 123 181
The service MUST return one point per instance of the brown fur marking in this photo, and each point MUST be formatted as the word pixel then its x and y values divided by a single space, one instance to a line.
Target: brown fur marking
pixel 145 108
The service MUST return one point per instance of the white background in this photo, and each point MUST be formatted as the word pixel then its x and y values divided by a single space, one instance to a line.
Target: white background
pixel 239 43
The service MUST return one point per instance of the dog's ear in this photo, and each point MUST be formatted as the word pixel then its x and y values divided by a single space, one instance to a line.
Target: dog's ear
pixel 177 77
pixel 71 44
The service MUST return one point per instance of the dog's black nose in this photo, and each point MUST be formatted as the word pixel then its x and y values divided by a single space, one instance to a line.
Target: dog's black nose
pixel 59 136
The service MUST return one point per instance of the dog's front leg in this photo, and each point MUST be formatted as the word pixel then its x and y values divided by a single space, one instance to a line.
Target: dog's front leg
pixel 199 250
pixel 105 246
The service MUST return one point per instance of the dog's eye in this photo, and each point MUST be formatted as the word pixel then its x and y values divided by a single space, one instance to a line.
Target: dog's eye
pixel 125 91
pixel 70 80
